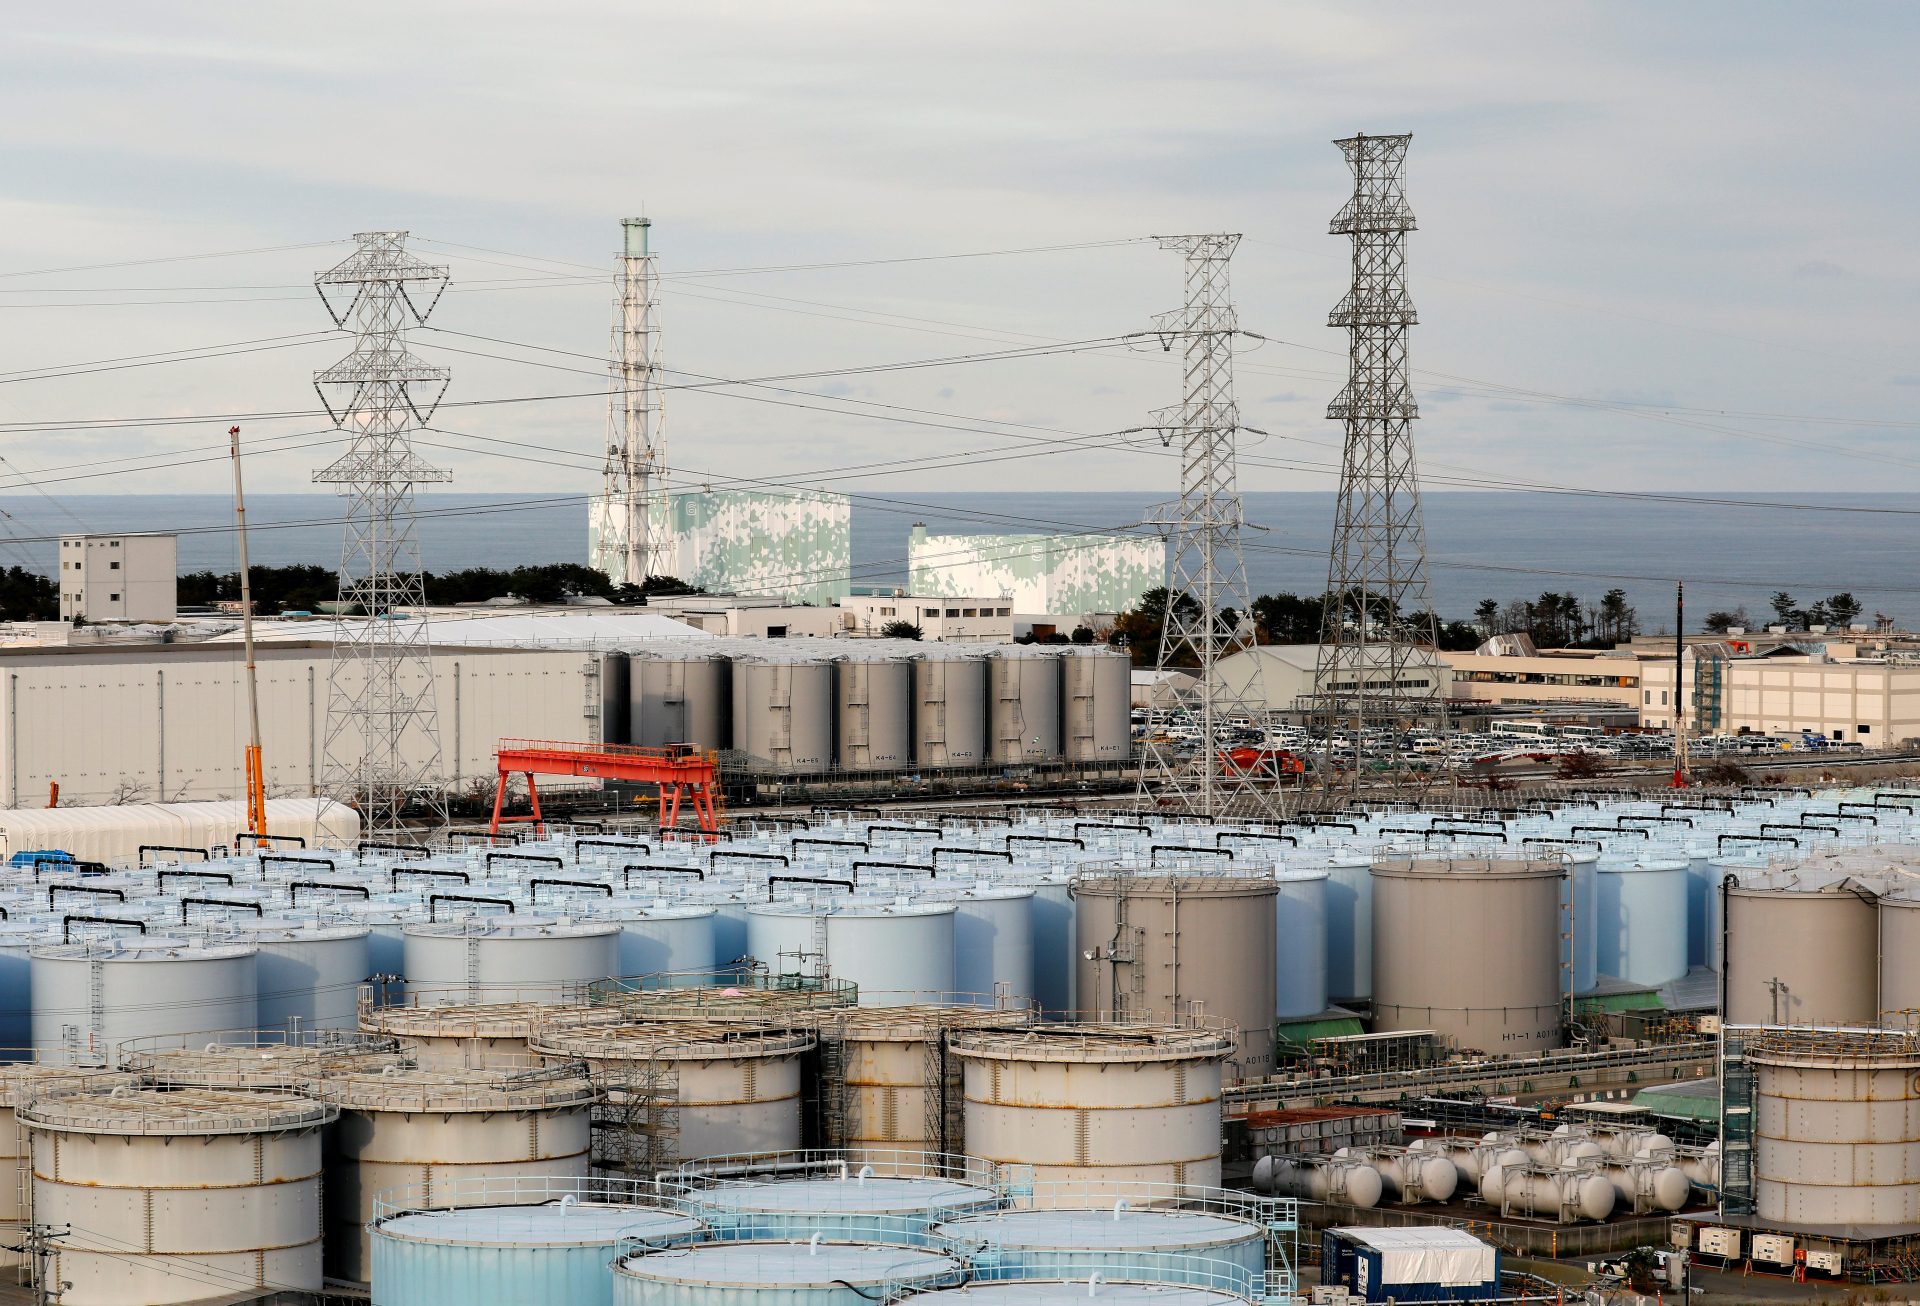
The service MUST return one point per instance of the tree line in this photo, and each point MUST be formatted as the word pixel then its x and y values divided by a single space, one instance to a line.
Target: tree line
pixel 306 588
pixel 1840 609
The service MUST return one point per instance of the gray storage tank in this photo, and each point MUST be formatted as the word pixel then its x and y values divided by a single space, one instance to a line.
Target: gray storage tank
pixel 783 713
pixel 616 698
pixel 1469 948
pixel 1099 705
pixel 873 700
pixel 1801 951
pixel 1024 712
pixel 680 698
pixel 950 709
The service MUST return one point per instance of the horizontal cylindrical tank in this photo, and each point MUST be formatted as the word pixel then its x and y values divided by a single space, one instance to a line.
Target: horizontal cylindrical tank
pixel 88 998
pixel 1345 1182
pixel 1096 1105
pixel 1469 948
pixel 812 1273
pixel 309 973
pixel 680 700
pixel 1801 952
pixel 859 1206
pixel 515 1240
pixel 428 1127
pixel 873 700
pixel 460 960
pixel 890 1084
pixel 683 1090
pixel 949 710
pixel 1836 1128
pixel 1099 705
pixel 178 1195
pixel 783 714
pixel 1300 944
pixel 1647 1186
pixel 1413 1176
pixel 1024 718
pixel 1154 946
pixel 896 952
pixel 1640 909
pixel 1564 1196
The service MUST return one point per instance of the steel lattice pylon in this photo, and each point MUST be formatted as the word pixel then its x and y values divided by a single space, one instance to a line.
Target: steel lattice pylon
pixel 1207 573
pixel 636 442
pixel 382 742
pixel 1375 667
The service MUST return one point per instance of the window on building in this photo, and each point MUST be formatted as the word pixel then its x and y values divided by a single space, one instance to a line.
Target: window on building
pixel 113 544
pixel 1003 612
pixel 113 598
pixel 776 632
pixel 114 565
pixel 951 612
pixel 1863 730
pixel 1663 698
pixel 971 612
pixel 929 612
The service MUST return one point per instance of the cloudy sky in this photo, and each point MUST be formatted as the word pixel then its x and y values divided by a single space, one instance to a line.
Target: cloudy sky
pixel 1660 245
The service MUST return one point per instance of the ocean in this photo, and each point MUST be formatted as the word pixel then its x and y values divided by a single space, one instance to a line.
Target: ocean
pixel 1495 545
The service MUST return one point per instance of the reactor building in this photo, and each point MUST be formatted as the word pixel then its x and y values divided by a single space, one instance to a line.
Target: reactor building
pixel 1071 573
pixel 794 544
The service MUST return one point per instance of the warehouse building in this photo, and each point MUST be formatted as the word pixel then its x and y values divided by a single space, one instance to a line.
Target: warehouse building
pixel 1279 677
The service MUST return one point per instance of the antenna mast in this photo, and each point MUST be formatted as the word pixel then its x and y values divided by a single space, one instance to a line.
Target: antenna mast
pixel 382 746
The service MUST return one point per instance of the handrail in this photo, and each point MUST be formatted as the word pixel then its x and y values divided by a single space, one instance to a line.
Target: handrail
pixel 434 901
pixel 545 859
pixel 1758 838
pixel 1225 835
pixel 1078 826
pixel 628 870
pixel 118 894
pixel 225 877
pixel 294 887
pixel 1035 838
pixel 533 886
pixel 772 880
pixel 291 860
pixel 298 841
pixel 399 871
pixel 410 849
pixel 971 852
pixel 816 842
pixel 255 907
pixel 1154 851
pixel 718 853
pixel 146 848
pixel 66 925
pixel 933 871
pixel 578 844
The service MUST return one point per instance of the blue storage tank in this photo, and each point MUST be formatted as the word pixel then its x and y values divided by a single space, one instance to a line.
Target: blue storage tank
pixel 862 1207
pixel 1640 911
pixel 1068 1243
pixel 1408 1265
pixel 812 1273
pixel 1579 939
pixel 1350 927
pixel 1300 952
pixel 554 1241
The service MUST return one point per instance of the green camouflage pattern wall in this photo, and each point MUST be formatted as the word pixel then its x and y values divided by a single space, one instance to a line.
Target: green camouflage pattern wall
pixel 1057 574
pixel 796 544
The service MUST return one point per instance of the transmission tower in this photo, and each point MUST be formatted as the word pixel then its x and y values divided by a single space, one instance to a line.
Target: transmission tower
pixel 636 442
pixel 382 749
pixel 1377 664
pixel 1208 574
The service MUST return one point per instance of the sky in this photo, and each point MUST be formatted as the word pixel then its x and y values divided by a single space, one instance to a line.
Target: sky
pixel 1659 245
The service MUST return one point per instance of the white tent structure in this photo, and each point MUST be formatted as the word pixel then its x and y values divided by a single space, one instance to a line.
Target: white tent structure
pixel 115 835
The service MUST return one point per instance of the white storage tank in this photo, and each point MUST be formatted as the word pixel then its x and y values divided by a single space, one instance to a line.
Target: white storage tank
pixel 90 997
pixel 1563 1195
pixel 178 1195
pixel 309 972
pixel 1102 1106
pixel 461 960
pixel 659 937
pixel 21 1082
pixel 892 1085
pixel 1344 1182
pixel 1053 936
pixel 1099 705
pixel 1802 951
pixel 1640 909
pixel 1024 712
pixel 896 952
pixel 1300 944
pixel 1054 1241
pixel 1836 1128
pixel 1469 948
pixel 1580 948
pixel 1156 946
pixel 443 1127
pixel 873 700
pixel 992 941
pixel 680 699
pixel 950 709
pixel 783 714
pixel 680 1090
pixel 812 1273
pixel 516 1240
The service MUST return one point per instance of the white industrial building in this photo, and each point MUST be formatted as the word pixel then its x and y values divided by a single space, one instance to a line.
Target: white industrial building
pixel 793 544
pixel 1872 701
pixel 118 578
pixel 1278 677
pixel 1060 575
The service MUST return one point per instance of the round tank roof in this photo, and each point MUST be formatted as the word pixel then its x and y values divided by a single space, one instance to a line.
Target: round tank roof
pixel 145 948
pixel 1859 1049
pixel 1053 1292
pixel 511 927
pixel 1627 866
pixel 678 1040
pixel 868 907
pixel 788 1264
pixel 170 1111
pixel 267 1065
pixel 549 1224
pixel 626 909
pixel 396 1088
pixel 910 1022
pixel 874 1195
pixel 1094 1043
pixel 21 1081
pixel 1126 1229
pixel 468 1019
pixel 1476 868
pixel 291 929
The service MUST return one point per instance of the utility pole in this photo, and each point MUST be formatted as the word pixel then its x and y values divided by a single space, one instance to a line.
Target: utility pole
pixel 1207 573
pixel 39 1245
pixel 1368 672
pixel 256 768
pixel 636 441
pixel 382 743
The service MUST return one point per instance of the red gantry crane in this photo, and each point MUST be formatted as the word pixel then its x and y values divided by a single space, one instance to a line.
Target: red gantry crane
pixel 682 772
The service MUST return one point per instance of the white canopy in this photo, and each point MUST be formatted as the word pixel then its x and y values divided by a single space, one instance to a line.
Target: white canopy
pixel 114 834
pixel 1427 1255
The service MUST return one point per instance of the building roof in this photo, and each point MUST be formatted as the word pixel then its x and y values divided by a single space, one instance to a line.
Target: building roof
pixel 561 628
